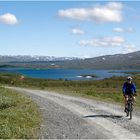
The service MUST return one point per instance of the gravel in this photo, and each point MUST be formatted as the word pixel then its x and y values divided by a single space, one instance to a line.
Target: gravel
pixel 67 117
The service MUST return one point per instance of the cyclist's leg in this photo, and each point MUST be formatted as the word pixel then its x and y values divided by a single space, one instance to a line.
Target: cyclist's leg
pixel 133 99
pixel 125 101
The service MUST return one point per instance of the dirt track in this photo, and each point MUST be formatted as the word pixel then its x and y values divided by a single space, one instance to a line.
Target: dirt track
pixel 67 117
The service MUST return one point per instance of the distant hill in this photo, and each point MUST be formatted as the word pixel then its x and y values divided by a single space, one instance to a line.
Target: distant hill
pixel 117 61
pixel 36 58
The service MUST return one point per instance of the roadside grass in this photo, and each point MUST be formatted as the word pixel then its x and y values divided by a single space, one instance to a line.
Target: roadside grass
pixel 107 89
pixel 20 118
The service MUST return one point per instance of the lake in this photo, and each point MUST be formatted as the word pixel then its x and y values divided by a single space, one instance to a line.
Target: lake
pixel 70 74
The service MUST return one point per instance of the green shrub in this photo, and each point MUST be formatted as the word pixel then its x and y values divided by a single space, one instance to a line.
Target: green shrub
pixel 19 117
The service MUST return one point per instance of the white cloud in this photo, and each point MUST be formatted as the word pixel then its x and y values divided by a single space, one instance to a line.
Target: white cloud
pixel 103 42
pixel 129 48
pixel 122 30
pixel 77 31
pixel 8 19
pixel 111 12
pixel 118 29
pixel 116 41
pixel 130 29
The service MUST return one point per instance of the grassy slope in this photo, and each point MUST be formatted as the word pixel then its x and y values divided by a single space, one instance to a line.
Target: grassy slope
pixel 107 89
pixel 19 116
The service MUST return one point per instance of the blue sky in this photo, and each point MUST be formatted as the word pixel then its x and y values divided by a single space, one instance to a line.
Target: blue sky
pixel 74 29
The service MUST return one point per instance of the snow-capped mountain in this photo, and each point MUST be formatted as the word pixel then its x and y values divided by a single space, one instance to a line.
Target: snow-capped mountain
pixel 117 61
pixel 28 58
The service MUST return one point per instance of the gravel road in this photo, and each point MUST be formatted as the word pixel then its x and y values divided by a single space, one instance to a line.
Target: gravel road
pixel 68 117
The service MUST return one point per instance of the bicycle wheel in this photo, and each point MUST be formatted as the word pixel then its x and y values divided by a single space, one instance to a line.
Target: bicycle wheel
pixel 127 113
pixel 127 110
pixel 130 111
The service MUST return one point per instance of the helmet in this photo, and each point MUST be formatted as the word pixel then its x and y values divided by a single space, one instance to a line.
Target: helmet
pixel 129 78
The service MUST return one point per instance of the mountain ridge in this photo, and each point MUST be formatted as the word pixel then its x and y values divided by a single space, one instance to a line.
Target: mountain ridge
pixel 116 61
pixel 29 58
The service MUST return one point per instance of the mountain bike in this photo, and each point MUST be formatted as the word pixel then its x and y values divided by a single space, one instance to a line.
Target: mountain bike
pixel 129 106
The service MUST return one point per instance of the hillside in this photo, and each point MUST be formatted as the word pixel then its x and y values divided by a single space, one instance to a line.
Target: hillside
pixel 117 61
pixel 29 58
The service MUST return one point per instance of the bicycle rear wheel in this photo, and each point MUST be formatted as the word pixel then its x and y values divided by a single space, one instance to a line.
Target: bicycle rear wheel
pixel 130 115
pixel 127 113
pixel 130 111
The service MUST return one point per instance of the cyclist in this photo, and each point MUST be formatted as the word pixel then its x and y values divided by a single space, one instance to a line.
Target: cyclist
pixel 128 88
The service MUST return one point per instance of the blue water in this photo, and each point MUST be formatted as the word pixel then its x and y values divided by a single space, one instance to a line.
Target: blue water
pixel 70 74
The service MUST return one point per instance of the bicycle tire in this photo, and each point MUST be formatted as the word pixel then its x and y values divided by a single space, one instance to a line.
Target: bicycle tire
pixel 130 111
pixel 127 113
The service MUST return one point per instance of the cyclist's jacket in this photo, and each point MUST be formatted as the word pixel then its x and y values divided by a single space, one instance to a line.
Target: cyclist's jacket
pixel 129 88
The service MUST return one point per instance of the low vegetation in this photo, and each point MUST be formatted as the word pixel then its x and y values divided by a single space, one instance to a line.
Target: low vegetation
pixel 19 116
pixel 107 89
pixel 134 73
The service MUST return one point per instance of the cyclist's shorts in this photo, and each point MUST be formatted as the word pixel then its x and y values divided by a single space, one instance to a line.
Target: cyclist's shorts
pixel 129 94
